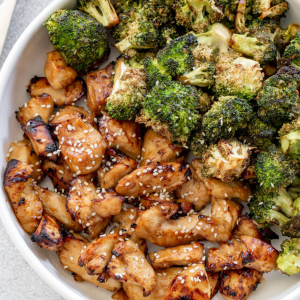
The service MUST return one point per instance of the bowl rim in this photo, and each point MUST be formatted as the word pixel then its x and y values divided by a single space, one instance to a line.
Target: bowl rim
pixel 5 214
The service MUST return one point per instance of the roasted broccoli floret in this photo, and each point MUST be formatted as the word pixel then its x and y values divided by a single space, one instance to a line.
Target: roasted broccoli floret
pixel 291 54
pixel 275 11
pixel 177 57
pixel 171 110
pixel 261 48
pixel 101 10
pixel 81 40
pixel 197 15
pixel 290 139
pixel 258 6
pixel 201 54
pixel 169 33
pixel 205 101
pixel 288 261
pixel 225 117
pixel 217 37
pixel 292 227
pixel 278 100
pixel 203 76
pixel 274 169
pixel 197 143
pixel 258 134
pixel 284 36
pixel 128 92
pixel 237 76
pixel 272 208
pixel 226 160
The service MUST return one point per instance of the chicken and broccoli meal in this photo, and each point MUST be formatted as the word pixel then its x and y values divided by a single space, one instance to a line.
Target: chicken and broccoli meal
pixel 218 79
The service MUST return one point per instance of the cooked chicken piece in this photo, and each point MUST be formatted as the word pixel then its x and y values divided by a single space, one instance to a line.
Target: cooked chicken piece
pixel 99 88
pixel 90 208
pixel 41 106
pixel 71 112
pixel 57 72
pixel 160 177
pixel 97 255
pixel 186 207
pixel 114 167
pixel 195 193
pixel 129 264
pixel 218 227
pixel 214 283
pixel 26 204
pixel 177 256
pixel 147 202
pixel 38 133
pixel 126 219
pixel 191 283
pixel 82 146
pixel 239 284
pixel 156 227
pixel 64 96
pixel 48 234
pixel 247 252
pixel 23 151
pixel 157 149
pixel 55 205
pixel 164 279
pixel 59 173
pixel 123 135
pixel 219 189
pixel 68 257
pixel 119 295
pixel 246 226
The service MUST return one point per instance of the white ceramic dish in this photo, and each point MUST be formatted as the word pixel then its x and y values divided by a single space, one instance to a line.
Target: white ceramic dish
pixel 26 60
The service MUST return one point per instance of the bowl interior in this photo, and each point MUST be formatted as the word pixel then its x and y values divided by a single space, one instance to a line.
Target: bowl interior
pixel 25 61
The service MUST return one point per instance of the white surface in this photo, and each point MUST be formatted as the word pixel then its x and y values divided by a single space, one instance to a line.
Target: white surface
pixel 26 60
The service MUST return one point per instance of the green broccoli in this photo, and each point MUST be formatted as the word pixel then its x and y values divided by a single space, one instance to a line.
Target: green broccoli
pixel 205 101
pixel 217 37
pixel 258 6
pixel 275 11
pixel 288 261
pixel 237 76
pixel 201 54
pixel 177 57
pixel 229 8
pixel 128 92
pixel 169 33
pixel 278 100
pixel 290 139
pixel 284 36
pixel 274 169
pixel 81 40
pixel 292 227
pixel 294 189
pixel 101 10
pixel 258 134
pixel 225 117
pixel 197 15
pixel 272 208
pixel 261 48
pixel 197 142
pixel 171 110
pixel 291 54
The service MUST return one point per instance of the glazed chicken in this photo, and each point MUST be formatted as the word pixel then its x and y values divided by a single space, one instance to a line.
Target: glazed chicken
pixel 57 72
pixel 23 151
pixel 90 208
pixel 38 133
pixel 81 145
pixel 246 252
pixel 48 234
pixel 157 149
pixel 26 204
pixel 41 105
pixel 177 256
pixel 122 135
pixel 99 88
pixel 114 167
pixel 97 255
pixel 119 295
pixel 154 178
pixel 218 227
pixel 55 205
pixel 129 264
pixel 239 284
pixel 64 96
pixel 73 245
pixel 191 283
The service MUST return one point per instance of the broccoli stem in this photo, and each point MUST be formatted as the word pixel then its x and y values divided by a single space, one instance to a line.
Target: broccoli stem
pixel 285 203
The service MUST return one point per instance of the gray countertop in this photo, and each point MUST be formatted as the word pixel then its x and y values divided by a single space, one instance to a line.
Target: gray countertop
pixel 17 279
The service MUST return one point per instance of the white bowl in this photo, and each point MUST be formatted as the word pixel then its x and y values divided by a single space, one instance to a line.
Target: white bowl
pixel 26 60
